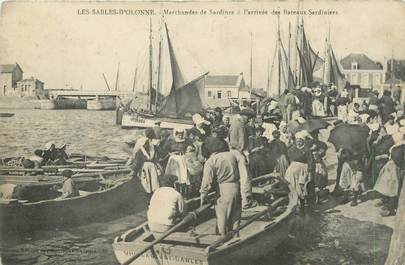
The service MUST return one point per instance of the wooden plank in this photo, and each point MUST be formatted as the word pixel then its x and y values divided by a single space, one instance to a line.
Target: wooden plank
pixel 206 239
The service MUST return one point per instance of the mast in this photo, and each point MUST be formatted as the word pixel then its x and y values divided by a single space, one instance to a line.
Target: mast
pixel 150 85
pixel 392 69
pixel 134 84
pixel 251 62
pixel 116 80
pixel 279 55
pixel 159 78
pixel 296 62
pixel 288 57
pixel 105 79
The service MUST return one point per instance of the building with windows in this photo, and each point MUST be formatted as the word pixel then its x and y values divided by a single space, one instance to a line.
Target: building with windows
pixel 219 90
pixel 362 71
pixel 223 86
pixel 31 87
pixel 10 74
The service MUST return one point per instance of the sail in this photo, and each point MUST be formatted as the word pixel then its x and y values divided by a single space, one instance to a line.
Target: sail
pixel 332 71
pixel 183 97
pixel 316 60
pixel 310 62
pixel 281 77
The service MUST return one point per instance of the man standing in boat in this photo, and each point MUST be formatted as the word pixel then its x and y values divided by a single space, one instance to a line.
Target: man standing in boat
pixel 238 141
pixel 221 170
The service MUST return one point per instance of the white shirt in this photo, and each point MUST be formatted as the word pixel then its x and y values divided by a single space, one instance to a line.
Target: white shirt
pixel 165 205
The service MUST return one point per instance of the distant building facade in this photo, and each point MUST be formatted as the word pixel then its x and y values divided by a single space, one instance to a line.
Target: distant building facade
pixel 10 74
pixel 362 71
pixel 219 87
pixel 31 87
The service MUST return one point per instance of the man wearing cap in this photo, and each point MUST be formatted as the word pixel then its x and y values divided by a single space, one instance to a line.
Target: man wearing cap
pixel 69 189
pixel 238 141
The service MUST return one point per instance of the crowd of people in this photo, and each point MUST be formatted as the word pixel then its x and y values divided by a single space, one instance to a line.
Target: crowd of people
pixel 225 152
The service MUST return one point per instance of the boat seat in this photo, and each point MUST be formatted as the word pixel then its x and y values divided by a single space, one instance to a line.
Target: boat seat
pixel 202 239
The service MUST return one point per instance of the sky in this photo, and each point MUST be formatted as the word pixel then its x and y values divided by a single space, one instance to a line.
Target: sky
pixel 58 44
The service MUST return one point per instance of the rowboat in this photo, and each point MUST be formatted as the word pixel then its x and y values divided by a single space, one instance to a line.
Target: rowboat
pixel 6 114
pixel 261 230
pixel 100 199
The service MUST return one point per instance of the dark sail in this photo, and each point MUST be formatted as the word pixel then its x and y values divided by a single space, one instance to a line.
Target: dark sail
pixel 183 97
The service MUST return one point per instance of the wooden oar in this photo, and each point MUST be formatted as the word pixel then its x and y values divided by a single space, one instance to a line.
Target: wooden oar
pixel 190 217
pixel 255 217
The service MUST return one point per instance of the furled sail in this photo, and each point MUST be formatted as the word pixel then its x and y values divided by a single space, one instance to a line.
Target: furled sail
pixel 281 77
pixel 332 71
pixel 309 61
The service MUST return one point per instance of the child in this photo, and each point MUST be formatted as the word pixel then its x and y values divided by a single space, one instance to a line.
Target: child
pixel 352 180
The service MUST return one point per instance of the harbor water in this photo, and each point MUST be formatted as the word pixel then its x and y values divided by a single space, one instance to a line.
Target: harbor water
pixel 323 237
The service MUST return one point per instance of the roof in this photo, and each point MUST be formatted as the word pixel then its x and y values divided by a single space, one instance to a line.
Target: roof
pixel 363 61
pixel 223 80
pixel 8 68
pixel 30 80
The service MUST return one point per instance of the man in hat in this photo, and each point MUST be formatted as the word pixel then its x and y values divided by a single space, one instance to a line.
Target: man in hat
pixel 69 189
pixel 238 141
pixel 292 103
pixel 217 117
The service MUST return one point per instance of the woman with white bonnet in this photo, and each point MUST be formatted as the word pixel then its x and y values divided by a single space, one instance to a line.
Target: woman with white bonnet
pixel 318 108
pixel 391 177
pixel 176 165
pixel 144 163
pixel 301 165
pixel 201 126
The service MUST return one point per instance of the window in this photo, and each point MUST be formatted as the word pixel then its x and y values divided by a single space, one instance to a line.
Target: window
pixel 353 79
pixel 229 94
pixel 355 66
pixel 365 80
pixel 219 94
pixel 376 79
pixel 209 94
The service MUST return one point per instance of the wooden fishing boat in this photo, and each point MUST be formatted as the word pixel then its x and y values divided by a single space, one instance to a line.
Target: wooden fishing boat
pixel 37 205
pixel 133 121
pixel 6 114
pixel 172 97
pixel 261 230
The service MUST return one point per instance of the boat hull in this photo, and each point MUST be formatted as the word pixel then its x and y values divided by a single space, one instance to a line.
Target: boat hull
pixel 64 103
pixel 125 197
pixel 236 251
pixel 137 122
pixel 101 104
pixel 6 115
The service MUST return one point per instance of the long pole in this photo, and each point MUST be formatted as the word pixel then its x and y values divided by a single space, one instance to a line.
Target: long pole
pixel 105 79
pixel 392 69
pixel 279 55
pixel 289 52
pixel 159 78
pixel 150 85
pixel 116 80
pixel 251 62
pixel 134 84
